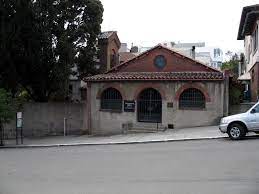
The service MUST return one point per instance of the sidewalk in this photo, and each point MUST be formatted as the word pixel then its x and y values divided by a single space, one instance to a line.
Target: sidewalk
pixel 197 133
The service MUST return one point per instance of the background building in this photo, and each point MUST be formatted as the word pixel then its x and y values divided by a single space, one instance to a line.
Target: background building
pixel 248 31
pixel 107 58
pixel 212 56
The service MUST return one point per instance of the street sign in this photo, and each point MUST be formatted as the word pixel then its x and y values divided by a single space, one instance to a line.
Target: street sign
pixel 19 123
pixel 19 126
pixel 19 115
pixel 19 119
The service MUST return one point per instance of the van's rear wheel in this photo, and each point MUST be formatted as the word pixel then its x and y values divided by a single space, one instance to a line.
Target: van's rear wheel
pixel 236 131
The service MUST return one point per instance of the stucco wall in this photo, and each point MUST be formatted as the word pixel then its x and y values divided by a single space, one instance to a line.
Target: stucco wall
pixel 76 90
pixel 40 119
pixel 107 122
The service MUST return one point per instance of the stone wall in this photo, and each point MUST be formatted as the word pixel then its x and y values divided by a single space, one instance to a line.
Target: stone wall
pixel 41 119
pixel 103 122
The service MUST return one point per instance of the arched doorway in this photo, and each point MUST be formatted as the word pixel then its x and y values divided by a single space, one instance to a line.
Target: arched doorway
pixel 150 106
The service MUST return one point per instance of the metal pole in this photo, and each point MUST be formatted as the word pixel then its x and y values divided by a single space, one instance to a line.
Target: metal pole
pixel 21 135
pixel 65 126
pixel 16 132
pixel 1 134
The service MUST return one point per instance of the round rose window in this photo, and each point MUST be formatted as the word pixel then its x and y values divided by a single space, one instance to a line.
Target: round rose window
pixel 160 61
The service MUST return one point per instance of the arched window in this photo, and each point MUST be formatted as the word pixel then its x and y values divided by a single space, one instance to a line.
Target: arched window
pixel 150 106
pixel 113 58
pixel 192 98
pixel 111 99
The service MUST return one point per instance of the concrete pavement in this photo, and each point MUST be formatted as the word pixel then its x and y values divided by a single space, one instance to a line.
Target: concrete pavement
pixel 209 132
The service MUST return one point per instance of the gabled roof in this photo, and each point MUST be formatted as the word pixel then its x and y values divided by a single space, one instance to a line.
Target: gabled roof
pixel 136 72
pixel 118 67
pixel 248 18
pixel 105 35
pixel 125 56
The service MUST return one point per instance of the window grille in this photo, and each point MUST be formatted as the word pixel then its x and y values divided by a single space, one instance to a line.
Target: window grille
pixel 111 99
pixel 192 98
pixel 150 106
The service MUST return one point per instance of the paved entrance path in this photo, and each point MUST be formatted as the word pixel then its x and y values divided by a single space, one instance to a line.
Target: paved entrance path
pixel 209 132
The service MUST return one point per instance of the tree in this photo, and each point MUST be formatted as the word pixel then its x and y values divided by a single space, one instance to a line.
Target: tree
pixel 232 64
pixel 235 87
pixel 6 111
pixel 40 41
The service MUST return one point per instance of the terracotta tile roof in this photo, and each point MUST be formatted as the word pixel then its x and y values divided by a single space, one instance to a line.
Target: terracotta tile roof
pixel 125 56
pixel 157 76
pixel 109 35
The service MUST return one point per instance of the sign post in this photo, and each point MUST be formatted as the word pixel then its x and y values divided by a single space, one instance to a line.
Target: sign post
pixel 1 134
pixel 65 126
pixel 19 126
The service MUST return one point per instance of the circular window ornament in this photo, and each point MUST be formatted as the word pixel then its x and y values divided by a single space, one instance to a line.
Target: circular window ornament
pixel 160 61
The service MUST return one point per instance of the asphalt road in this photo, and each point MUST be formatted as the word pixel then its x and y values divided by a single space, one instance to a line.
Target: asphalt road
pixel 189 167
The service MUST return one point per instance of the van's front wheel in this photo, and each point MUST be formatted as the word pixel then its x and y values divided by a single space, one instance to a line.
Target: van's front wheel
pixel 236 131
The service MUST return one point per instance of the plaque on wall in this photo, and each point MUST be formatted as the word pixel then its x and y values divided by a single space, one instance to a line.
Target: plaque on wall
pixel 170 104
pixel 129 106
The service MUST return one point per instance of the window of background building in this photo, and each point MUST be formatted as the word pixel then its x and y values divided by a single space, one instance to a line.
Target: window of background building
pixel 255 39
pixel 253 75
pixel 113 58
pixel 216 52
pixel 248 54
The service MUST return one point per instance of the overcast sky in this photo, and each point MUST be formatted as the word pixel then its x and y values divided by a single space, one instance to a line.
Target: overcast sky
pixel 149 22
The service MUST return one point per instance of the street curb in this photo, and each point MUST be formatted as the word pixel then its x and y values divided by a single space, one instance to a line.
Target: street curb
pixel 108 143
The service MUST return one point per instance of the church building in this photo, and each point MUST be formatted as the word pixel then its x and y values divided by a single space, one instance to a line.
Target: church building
pixel 159 89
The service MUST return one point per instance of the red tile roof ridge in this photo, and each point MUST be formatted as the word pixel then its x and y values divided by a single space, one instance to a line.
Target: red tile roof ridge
pixel 157 76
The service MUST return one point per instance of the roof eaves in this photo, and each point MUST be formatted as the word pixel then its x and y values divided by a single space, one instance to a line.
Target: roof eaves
pixel 246 13
pixel 156 76
pixel 106 34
